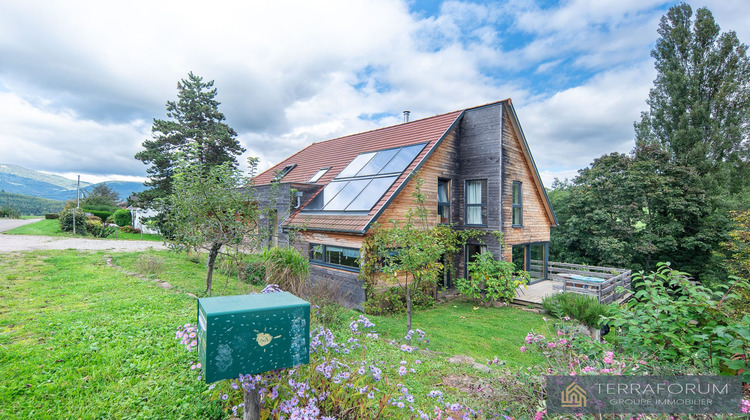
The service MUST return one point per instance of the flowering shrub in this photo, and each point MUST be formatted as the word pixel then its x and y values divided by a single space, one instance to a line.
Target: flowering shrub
pixel 342 380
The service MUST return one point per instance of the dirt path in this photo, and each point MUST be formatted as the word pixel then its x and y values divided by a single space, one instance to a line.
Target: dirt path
pixel 14 243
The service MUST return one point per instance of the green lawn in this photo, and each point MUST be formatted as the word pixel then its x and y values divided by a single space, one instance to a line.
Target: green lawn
pixel 78 339
pixel 464 327
pixel 81 339
pixel 51 227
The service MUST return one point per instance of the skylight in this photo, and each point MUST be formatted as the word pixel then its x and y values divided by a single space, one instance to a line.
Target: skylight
pixel 282 172
pixel 360 185
pixel 318 175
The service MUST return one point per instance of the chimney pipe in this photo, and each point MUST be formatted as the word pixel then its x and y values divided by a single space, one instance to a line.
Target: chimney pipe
pixel 406 116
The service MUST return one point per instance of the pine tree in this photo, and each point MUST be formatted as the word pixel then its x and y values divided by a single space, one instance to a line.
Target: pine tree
pixel 195 124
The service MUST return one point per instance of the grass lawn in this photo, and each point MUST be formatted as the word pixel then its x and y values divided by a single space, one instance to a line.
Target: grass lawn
pixel 81 339
pixel 78 339
pixel 464 327
pixel 51 227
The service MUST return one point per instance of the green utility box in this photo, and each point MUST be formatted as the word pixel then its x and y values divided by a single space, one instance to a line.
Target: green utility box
pixel 251 334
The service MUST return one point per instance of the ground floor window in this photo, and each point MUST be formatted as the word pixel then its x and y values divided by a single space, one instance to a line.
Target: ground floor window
pixel 337 256
pixel 533 258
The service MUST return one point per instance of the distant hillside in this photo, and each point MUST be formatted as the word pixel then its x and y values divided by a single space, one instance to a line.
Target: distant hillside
pixel 124 188
pixel 30 206
pixel 18 180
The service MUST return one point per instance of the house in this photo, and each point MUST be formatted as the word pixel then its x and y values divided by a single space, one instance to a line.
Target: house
pixel 478 173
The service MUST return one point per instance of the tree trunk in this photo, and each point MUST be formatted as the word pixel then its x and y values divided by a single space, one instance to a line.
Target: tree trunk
pixel 252 405
pixel 408 308
pixel 212 254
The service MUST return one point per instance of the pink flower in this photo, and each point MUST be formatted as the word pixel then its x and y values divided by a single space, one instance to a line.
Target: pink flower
pixel 608 357
pixel 559 333
pixel 540 415
pixel 551 345
pixel 523 349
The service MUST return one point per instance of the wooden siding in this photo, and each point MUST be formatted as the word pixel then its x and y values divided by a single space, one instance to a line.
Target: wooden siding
pixel 536 222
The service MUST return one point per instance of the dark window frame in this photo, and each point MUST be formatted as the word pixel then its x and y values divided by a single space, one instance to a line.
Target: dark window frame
pixel 324 260
pixel 281 173
pixel 482 205
pixel 444 204
pixel 517 207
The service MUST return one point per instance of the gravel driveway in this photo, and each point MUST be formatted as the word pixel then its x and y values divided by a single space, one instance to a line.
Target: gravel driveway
pixel 13 243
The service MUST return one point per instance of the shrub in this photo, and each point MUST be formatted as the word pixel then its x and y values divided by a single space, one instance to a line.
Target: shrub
pixel 52 216
pixel 9 212
pixel 285 267
pixel 97 229
pixel 252 270
pixel 583 308
pixel 91 217
pixel 102 215
pixel 129 229
pixel 491 279
pixel 66 220
pixel 683 322
pixel 392 300
pixel 122 217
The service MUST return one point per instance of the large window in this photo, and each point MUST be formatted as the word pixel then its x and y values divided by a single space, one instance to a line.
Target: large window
pixel 531 258
pixel 444 205
pixel 337 256
pixel 517 204
pixel 476 202
pixel 472 251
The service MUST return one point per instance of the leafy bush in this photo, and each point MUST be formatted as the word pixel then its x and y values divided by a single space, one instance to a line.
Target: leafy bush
pixel 122 217
pixel 66 220
pixel 129 229
pixel 91 217
pixel 9 212
pixel 491 279
pixel 97 229
pixel 392 300
pixel 286 268
pixel 252 270
pixel 583 308
pixel 684 322
pixel 103 215
pixel 52 216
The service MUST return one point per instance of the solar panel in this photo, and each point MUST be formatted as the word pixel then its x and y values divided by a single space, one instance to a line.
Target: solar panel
pixel 346 195
pixel 404 157
pixel 354 166
pixel 358 187
pixel 377 162
pixel 371 194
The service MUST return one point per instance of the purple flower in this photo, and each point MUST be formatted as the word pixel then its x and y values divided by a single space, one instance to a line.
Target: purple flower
pixel 402 370
pixel 224 397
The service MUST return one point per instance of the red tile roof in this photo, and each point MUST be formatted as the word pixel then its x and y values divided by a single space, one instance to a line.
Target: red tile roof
pixel 337 153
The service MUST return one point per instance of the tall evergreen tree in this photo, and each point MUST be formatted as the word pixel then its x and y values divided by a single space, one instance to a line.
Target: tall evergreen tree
pixel 195 125
pixel 700 103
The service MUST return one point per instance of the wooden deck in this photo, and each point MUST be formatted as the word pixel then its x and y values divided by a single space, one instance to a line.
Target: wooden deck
pixel 532 295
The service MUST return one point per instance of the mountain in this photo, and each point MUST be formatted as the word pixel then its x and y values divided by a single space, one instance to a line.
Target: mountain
pixel 18 180
pixel 27 205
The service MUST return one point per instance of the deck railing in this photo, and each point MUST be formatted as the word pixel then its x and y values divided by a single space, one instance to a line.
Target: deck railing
pixel 573 279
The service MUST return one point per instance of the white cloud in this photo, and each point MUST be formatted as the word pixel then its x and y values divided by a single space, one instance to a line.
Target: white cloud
pixel 89 76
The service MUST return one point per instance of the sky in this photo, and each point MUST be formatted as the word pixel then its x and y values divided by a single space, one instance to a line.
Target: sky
pixel 82 81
